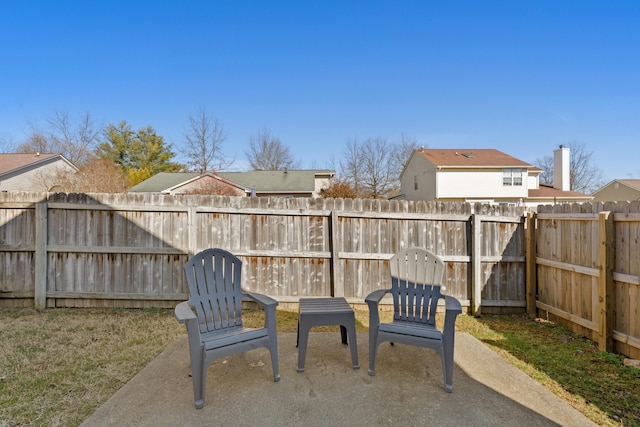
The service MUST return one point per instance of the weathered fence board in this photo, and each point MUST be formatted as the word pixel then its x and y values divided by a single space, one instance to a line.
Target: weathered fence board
pixel 588 262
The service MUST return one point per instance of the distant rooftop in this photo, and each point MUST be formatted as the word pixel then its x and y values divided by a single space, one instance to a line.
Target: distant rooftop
pixel 472 157
pixel 291 181
pixel 547 191
pixel 12 161
pixel 276 181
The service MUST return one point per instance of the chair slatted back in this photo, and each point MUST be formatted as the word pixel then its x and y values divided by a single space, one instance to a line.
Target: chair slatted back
pixel 214 278
pixel 416 280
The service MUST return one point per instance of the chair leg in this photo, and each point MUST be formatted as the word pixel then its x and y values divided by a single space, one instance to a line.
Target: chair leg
pixel 447 365
pixel 373 348
pixel 199 378
pixel 303 340
pixel 198 369
pixel 273 350
pixel 343 335
pixel 351 330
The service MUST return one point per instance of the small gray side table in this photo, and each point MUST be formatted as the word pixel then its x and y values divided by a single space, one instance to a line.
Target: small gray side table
pixel 326 312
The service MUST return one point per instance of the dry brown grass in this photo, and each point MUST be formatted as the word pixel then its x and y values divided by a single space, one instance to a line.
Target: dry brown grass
pixel 58 366
pixel 60 359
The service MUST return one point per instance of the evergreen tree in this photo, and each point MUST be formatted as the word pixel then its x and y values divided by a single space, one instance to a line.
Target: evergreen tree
pixel 140 154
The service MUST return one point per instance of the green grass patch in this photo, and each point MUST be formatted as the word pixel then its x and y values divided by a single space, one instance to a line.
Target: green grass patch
pixel 594 382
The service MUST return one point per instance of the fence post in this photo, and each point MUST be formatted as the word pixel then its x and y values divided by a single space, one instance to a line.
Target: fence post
pixel 476 265
pixel 193 230
pixel 531 279
pixel 337 286
pixel 606 287
pixel 40 285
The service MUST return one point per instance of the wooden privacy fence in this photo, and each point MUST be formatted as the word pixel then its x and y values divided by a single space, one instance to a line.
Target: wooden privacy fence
pixel 588 271
pixel 578 265
pixel 128 250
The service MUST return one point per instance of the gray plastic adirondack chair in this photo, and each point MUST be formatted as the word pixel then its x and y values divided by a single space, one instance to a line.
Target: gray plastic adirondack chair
pixel 213 316
pixel 416 281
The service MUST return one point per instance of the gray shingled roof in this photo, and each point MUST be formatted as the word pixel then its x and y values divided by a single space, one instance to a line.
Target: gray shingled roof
pixel 276 181
pixel 290 181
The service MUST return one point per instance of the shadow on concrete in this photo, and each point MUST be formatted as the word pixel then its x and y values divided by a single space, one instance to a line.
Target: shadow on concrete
pixel 407 390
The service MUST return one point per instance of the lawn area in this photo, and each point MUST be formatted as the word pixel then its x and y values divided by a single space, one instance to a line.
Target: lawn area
pixel 77 358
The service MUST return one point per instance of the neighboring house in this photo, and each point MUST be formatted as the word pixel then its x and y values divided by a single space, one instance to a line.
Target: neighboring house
pixel 485 176
pixel 618 190
pixel 284 183
pixel 188 183
pixel 33 172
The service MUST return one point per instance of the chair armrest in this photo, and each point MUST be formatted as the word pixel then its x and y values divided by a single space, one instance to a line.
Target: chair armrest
pixel 372 300
pixel 263 300
pixel 268 304
pixel 452 304
pixel 184 313
pixel 375 296
pixel 452 309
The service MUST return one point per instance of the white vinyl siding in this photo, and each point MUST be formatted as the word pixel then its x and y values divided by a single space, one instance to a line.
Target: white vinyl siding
pixel 476 184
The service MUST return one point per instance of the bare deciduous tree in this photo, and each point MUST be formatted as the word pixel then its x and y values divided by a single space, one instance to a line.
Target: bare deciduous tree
pixel 372 167
pixel 36 142
pixel 402 152
pixel 74 140
pixel 546 164
pixel 6 145
pixel 204 137
pixel 378 169
pixel 338 188
pixel 351 165
pixel 267 152
pixel 584 175
pixel 95 176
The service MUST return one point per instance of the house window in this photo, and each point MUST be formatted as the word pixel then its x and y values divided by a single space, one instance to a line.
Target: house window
pixel 512 177
pixel 415 182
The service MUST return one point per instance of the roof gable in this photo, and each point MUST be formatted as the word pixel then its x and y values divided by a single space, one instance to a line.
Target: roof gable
pixel 163 181
pixel 633 184
pixel 203 180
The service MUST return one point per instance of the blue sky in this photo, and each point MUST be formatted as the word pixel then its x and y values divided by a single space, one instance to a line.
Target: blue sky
pixel 519 76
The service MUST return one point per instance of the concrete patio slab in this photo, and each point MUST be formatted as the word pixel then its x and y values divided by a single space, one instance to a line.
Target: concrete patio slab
pixel 407 390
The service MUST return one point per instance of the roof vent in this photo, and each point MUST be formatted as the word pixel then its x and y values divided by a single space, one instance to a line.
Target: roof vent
pixel 469 155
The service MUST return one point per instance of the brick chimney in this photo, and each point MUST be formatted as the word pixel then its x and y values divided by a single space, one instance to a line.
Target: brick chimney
pixel 561 167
